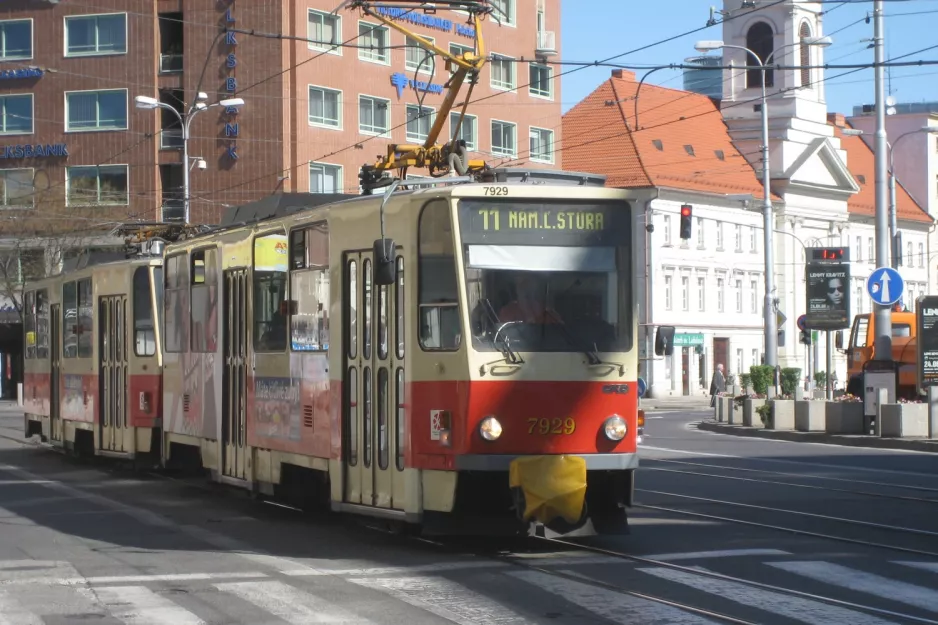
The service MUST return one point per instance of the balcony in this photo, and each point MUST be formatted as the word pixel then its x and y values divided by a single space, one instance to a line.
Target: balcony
pixel 546 43
pixel 171 63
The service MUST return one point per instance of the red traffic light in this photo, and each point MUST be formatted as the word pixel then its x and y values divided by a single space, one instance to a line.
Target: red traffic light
pixel 685 211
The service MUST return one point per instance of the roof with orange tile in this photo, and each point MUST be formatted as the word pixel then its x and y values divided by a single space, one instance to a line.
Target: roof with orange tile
pixel 682 143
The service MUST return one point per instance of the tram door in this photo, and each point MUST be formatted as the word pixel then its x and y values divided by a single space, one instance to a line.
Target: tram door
pixel 370 412
pixel 233 429
pixel 55 399
pixel 112 321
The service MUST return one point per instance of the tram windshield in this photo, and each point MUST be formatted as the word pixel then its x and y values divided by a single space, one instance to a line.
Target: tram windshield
pixel 547 276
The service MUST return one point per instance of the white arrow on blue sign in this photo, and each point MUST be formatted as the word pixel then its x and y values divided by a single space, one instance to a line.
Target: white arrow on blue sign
pixel 885 286
pixel 642 387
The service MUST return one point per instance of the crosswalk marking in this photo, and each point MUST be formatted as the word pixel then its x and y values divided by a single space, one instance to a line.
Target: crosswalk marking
pixel 138 605
pixel 291 604
pixel 12 613
pixel 446 599
pixel 861 581
pixel 612 606
pixel 925 566
pixel 796 608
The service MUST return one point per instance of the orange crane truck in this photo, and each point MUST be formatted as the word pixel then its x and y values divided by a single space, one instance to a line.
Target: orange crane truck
pixel 904 352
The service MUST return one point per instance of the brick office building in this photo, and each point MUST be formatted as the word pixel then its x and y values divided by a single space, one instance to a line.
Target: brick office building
pixel 313 112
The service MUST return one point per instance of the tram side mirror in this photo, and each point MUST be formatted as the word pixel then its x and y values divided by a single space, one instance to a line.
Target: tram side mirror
pixel 664 341
pixel 839 340
pixel 385 267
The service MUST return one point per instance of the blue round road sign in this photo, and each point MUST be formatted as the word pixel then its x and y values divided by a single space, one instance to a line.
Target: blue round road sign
pixel 802 322
pixel 641 387
pixel 885 286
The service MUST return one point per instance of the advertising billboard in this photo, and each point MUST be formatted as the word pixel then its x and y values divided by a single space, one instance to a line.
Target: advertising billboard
pixel 828 300
pixel 926 314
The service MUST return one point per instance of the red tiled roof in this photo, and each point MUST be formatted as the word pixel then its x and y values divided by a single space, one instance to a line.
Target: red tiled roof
pixel 861 163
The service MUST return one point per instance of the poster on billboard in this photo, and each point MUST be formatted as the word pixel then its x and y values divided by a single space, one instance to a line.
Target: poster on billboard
pixel 827 296
pixel 926 312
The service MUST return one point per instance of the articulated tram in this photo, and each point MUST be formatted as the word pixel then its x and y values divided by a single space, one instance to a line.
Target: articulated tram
pixel 462 357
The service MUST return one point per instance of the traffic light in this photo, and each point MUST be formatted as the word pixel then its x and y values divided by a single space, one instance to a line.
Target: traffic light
pixel 686 220
pixel 805 337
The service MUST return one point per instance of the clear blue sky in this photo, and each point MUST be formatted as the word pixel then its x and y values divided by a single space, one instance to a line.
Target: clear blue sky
pixel 598 29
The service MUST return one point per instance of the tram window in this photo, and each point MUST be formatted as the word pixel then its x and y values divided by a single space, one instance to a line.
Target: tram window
pixel 204 309
pixel 399 308
pixel 176 303
pixel 29 314
pixel 382 321
pixel 383 433
pixel 309 288
pixel 437 285
pixel 366 310
pixel 366 430
pixel 352 413
pixel 144 326
pixel 351 305
pixel 400 439
pixel 85 319
pixel 70 319
pixel 270 293
pixel 42 323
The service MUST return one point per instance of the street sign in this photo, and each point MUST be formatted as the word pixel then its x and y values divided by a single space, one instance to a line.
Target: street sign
pixel 642 387
pixel 802 322
pixel 684 339
pixel 926 316
pixel 885 286
pixel 828 300
pixel 780 318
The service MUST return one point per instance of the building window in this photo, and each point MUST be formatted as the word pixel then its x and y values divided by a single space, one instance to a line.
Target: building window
pixel 16 40
pixel 374 115
pixel 468 130
pixel 859 249
pixel 504 12
pixel 374 43
pixel 805 50
pixel 324 29
pixel 105 184
pixel 504 138
pixel 685 293
pixel 739 238
pixel 908 248
pixel 761 40
pixel 859 300
pixel 419 122
pixel 753 291
pixel 503 72
pixel 542 145
pixel 871 254
pixel 719 235
pixel 16 114
pixel 739 296
pixel 325 107
pixel 921 254
pixel 418 58
pixel 16 188
pixel 458 50
pixel 667 292
pixel 541 81
pixel 700 233
pixel 739 361
pixel 752 239
pixel 755 357
pixel 701 295
pixel 325 178
pixel 90 35
pixel 721 292
pixel 96 110
pixel 667 230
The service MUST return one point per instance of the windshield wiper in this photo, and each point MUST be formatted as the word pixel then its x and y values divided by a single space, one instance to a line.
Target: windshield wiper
pixel 584 347
pixel 510 355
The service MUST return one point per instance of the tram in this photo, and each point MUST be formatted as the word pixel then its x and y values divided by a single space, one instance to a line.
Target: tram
pixel 460 356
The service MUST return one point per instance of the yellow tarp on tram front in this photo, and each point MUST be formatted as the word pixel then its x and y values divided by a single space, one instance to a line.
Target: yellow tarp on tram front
pixel 552 485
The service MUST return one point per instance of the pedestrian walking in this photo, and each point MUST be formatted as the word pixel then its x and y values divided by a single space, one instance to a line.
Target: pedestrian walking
pixel 717 384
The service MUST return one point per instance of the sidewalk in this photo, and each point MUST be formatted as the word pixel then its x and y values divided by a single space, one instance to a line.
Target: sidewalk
pixel 690 402
pixel 846 440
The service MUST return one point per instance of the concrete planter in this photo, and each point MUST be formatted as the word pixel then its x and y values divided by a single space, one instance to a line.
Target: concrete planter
pixel 845 418
pixel 783 415
pixel 905 420
pixel 734 414
pixel 721 409
pixel 750 415
pixel 810 416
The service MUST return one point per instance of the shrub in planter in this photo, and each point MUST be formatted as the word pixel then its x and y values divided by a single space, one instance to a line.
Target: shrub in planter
pixel 765 413
pixel 790 380
pixel 761 376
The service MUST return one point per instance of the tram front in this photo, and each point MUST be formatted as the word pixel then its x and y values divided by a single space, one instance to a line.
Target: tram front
pixel 548 283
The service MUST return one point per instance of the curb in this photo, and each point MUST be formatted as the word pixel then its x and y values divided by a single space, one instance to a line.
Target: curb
pixel 675 407
pixel 845 440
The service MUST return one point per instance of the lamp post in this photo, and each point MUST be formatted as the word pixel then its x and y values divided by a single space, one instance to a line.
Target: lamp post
pixel 768 226
pixel 148 103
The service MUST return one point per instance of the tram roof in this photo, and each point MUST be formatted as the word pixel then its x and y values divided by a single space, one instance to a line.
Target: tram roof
pixel 278 205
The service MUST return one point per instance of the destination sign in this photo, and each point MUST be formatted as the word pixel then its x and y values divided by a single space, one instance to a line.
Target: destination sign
pixel 544 223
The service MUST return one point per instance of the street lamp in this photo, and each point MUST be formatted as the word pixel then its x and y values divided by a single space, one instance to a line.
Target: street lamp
pixel 148 103
pixel 768 225
pixel 893 211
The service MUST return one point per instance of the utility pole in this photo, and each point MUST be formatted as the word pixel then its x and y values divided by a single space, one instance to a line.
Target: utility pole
pixel 881 314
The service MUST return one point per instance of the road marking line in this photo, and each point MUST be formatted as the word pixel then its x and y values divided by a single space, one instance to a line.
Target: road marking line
pixel 12 613
pixel 170 577
pixel 796 608
pixel 138 605
pixel 612 606
pixel 724 553
pixel 548 560
pixel 925 566
pixel 861 581
pixel 445 599
pixel 438 567
pixel 291 604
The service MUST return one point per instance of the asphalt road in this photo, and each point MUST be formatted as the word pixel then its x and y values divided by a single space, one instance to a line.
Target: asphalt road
pixel 728 530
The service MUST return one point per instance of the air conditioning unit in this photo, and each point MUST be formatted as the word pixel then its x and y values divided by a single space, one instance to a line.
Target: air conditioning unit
pixel 546 43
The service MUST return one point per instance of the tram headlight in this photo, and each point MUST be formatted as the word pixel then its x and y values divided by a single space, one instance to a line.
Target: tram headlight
pixel 615 428
pixel 490 428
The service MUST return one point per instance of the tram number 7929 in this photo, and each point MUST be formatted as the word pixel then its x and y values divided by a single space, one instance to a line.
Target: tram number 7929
pixel 552 426
pixel 495 190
